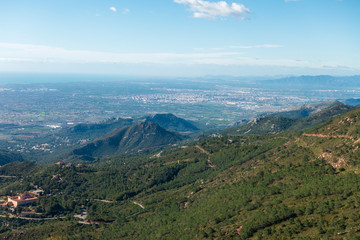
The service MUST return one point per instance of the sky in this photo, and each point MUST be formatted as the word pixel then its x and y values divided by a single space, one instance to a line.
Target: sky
pixel 181 37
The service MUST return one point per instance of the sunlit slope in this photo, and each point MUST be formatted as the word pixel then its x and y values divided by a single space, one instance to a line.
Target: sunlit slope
pixel 276 124
pixel 302 185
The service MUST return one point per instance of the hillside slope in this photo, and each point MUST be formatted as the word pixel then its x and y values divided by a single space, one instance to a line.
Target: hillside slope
pixel 140 137
pixel 94 130
pixel 8 157
pixel 304 110
pixel 303 185
pixel 270 125
pixel 171 122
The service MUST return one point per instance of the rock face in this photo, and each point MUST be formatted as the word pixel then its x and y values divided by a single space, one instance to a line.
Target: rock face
pixel 140 137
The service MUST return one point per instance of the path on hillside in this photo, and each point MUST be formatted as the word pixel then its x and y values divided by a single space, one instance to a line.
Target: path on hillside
pixel 140 205
pixel 39 219
pixel 203 150
pixel 327 136
pixel 207 153
pixel 104 201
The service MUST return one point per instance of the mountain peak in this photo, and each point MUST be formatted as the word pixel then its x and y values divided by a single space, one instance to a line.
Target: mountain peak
pixel 171 122
pixel 143 136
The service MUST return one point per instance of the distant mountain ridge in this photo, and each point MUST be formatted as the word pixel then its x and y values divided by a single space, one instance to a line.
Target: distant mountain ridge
pixel 296 112
pixel 95 130
pixel 140 137
pixel 304 110
pixel 352 101
pixel 277 123
pixel 313 82
pixel 285 186
pixel 295 185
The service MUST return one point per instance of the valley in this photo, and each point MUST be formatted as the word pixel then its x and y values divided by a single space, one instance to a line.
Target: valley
pixel 269 186
pixel 34 122
pixel 275 174
pixel 179 120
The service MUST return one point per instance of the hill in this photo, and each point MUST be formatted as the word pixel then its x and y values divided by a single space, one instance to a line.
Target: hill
pixel 304 110
pixel 94 130
pixel 296 112
pixel 64 140
pixel 8 157
pixel 91 131
pixel 320 117
pixel 276 124
pixel 346 125
pixel 171 122
pixel 141 137
pixel 352 101
pixel 262 125
pixel 293 185
pixel 16 168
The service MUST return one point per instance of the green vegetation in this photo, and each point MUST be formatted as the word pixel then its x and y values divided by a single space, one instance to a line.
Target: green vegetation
pixel 8 157
pixel 290 185
pixel 171 122
pixel 305 110
pixel 294 120
pixel 141 137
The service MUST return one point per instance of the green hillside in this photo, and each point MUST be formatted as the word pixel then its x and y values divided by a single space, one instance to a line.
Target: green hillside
pixel 262 125
pixel 141 137
pixel 304 110
pixel 303 185
pixel 171 122
pixel 64 140
pixel 8 157
pixel 95 130
pixel 276 124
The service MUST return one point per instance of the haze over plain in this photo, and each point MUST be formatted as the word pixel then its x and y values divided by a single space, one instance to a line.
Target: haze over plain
pixel 181 37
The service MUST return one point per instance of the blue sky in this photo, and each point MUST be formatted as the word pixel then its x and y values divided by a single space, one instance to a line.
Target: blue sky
pixel 181 37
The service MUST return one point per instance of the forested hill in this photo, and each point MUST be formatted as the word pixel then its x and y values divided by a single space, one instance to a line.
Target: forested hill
pixel 95 130
pixel 141 137
pixel 279 123
pixel 7 157
pixel 171 122
pixel 301 185
pixel 62 141
pixel 304 110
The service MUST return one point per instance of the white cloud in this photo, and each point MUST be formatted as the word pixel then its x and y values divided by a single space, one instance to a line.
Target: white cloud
pixel 238 47
pixel 113 9
pixel 257 46
pixel 206 9
pixel 21 54
pixel 125 11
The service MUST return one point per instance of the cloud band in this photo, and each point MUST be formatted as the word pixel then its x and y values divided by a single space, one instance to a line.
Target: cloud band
pixel 211 10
